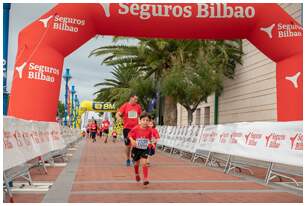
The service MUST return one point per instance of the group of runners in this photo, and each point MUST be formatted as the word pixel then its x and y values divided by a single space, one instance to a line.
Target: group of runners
pixel 139 134
pixel 93 130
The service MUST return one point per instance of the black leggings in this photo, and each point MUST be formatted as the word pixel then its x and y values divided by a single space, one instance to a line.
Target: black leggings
pixel 125 136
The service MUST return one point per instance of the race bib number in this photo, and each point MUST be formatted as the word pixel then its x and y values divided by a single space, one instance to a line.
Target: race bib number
pixel 142 143
pixel 132 114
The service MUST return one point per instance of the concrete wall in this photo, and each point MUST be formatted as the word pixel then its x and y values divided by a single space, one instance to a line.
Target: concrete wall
pixel 251 96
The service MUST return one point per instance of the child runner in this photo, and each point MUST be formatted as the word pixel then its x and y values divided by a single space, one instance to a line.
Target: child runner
pixel 155 137
pixel 93 130
pixel 101 130
pixel 105 130
pixel 140 137
pixel 88 129
pixel 114 135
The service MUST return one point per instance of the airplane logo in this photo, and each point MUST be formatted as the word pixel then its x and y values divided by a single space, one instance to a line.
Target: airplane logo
pixel 247 137
pixel 268 30
pixel 20 69
pixel 294 79
pixel 45 21
pixel 267 139
pixel 106 9
pixel 292 139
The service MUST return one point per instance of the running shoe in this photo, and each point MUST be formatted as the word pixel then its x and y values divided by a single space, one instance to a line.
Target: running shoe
pixel 137 178
pixel 146 182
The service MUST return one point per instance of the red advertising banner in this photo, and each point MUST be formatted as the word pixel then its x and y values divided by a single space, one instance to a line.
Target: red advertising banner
pixel 44 44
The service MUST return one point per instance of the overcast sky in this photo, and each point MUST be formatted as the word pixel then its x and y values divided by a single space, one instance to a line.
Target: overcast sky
pixel 86 72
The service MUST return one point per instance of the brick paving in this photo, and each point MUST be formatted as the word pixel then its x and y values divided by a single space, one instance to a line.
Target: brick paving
pixel 103 177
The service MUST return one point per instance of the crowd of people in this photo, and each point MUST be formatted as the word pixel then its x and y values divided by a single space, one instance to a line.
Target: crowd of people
pixel 140 135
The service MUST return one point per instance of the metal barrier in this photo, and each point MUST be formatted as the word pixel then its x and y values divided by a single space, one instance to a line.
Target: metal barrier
pixel 281 170
pixel 177 140
pixel 70 136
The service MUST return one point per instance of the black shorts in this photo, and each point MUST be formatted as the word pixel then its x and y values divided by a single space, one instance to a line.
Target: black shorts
pixel 151 151
pixel 139 153
pixel 105 131
pixel 93 134
pixel 125 136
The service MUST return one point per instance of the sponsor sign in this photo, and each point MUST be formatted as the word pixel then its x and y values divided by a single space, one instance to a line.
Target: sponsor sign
pixel 24 140
pixel 279 142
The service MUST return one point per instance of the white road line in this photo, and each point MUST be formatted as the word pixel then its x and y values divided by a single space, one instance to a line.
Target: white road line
pixel 171 191
pixel 159 181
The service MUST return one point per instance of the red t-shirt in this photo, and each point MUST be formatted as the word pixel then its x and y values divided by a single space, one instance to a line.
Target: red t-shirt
pixel 114 133
pixel 130 114
pixel 155 133
pixel 93 127
pixel 102 127
pixel 142 136
pixel 105 124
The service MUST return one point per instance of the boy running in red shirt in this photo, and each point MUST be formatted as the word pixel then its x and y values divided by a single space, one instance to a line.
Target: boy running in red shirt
pixel 140 137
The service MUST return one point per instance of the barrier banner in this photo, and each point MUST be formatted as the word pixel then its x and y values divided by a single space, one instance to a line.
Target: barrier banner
pixel 24 140
pixel 70 135
pixel 169 133
pixel 278 142
pixel 192 139
pixel 182 138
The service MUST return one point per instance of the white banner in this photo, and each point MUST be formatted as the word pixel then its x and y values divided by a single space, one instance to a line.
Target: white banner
pixel 24 140
pixel 279 142
pixel 70 135
pixel 192 139
pixel 183 138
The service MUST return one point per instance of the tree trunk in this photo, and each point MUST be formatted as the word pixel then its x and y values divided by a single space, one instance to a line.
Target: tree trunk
pixel 170 111
pixel 190 116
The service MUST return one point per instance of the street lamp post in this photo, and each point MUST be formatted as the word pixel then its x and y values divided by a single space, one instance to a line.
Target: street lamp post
pixel 72 105
pixel 6 18
pixel 66 77
pixel 77 104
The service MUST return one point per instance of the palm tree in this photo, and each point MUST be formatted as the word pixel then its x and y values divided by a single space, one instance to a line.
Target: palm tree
pixel 156 58
pixel 117 90
pixel 151 56
pixel 126 80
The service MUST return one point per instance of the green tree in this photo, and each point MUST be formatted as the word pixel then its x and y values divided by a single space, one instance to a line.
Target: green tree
pixel 60 109
pixel 126 80
pixel 165 60
pixel 199 68
pixel 152 57
pixel 145 90
pixel 117 90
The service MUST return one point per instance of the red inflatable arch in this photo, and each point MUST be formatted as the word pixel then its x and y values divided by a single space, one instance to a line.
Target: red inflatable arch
pixel 43 45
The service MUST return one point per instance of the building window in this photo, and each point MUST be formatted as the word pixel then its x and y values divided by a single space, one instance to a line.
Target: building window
pixel 198 117
pixel 207 116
